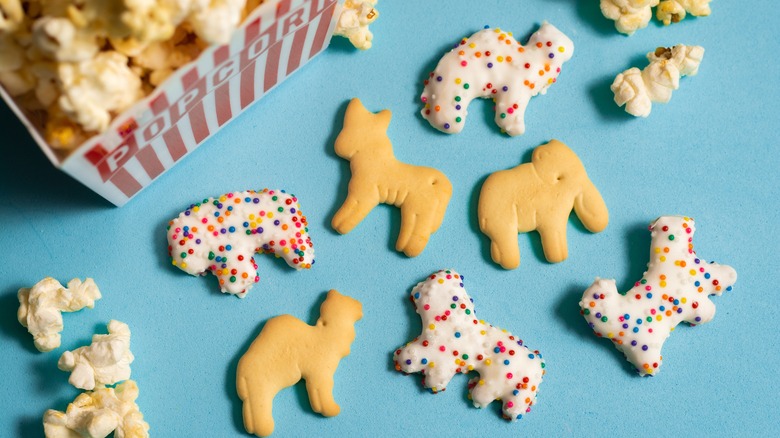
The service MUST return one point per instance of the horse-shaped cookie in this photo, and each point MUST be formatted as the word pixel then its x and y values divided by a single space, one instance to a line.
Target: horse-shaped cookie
pixel 288 350
pixel 422 193
pixel 221 235
pixel 539 196
pixel 675 288
pixel 492 64
pixel 455 341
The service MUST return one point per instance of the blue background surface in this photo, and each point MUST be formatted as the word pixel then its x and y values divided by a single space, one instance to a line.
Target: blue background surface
pixel 711 153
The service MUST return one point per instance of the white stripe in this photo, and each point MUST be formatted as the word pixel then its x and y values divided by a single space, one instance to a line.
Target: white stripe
pixel 210 110
pixel 133 167
pixel 260 74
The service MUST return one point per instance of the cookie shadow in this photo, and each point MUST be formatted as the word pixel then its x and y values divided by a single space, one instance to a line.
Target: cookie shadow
pixel 9 324
pixel 637 251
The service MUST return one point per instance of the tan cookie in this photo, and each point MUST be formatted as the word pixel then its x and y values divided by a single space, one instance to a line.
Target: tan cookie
pixel 422 193
pixel 288 350
pixel 539 196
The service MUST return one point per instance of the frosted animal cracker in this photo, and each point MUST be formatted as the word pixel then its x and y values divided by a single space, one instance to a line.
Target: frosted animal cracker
pixel 40 307
pixel 675 289
pixel 454 341
pixel 104 362
pixel 638 89
pixel 492 64
pixel 221 235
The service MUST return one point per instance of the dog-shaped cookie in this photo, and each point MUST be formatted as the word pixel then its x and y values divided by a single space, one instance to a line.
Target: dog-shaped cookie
pixel 675 289
pixel 539 196
pixel 288 350
pixel 422 193
pixel 454 341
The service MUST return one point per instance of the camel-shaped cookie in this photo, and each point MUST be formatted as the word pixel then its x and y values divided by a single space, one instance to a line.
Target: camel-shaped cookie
pixel 288 350
pixel 422 193
pixel 492 64
pixel 675 288
pixel 539 196
pixel 221 235
pixel 454 341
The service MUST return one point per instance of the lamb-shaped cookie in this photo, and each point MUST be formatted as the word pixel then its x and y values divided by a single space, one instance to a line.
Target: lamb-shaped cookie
pixel 492 64
pixel 675 288
pixel 422 193
pixel 539 196
pixel 221 235
pixel 40 308
pixel 288 350
pixel 454 341
pixel 97 413
pixel 638 89
pixel 104 362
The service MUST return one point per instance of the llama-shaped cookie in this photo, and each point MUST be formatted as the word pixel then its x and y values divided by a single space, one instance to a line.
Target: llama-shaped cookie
pixel 492 64
pixel 454 341
pixel 539 196
pixel 422 193
pixel 288 350
pixel 221 235
pixel 675 289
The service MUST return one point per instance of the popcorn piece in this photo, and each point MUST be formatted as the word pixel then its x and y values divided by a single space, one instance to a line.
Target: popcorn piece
pixel 637 90
pixel 216 21
pixel 674 11
pixel 675 288
pixel 98 413
pixel 40 307
pixel 628 15
pixel 94 88
pixel 354 20
pixel 59 39
pixel 104 362
pixel 11 15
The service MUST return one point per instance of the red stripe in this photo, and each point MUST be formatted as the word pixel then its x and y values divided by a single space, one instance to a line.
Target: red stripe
pixel 174 143
pixel 96 154
pixel 159 104
pixel 297 49
pixel 283 8
pixel 252 31
pixel 150 162
pixel 221 54
pixel 190 78
pixel 125 182
pixel 200 130
pixel 248 85
pixel 272 66
pixel 222 100
pixel 322 31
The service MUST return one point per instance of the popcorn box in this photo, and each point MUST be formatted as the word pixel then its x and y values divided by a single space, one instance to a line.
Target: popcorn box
pixel 152 136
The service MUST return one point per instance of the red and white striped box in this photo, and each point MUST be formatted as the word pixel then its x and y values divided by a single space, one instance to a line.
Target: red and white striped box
pixel 142 143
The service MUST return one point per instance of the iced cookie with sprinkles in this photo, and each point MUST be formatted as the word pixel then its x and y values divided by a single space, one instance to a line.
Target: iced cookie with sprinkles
pixel 492 64
pixel 676 288
pixel 221 235
pixel 454 341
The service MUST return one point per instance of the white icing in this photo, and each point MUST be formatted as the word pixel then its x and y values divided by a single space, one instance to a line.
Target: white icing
pixel 97 413
pixel 200 240
pixel 40 307
pixel 104 362
pixel 454 341
pixel 675 289
pixel 492 64
pixel 354 20
pixel 637 90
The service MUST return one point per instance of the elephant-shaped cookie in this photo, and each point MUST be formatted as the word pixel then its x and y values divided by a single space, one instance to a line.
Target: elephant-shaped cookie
pixel 539 196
